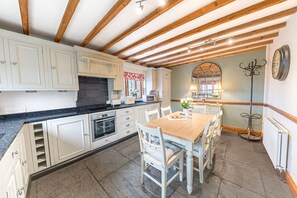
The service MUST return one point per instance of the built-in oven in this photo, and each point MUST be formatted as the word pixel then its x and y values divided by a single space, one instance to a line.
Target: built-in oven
pixel 103 124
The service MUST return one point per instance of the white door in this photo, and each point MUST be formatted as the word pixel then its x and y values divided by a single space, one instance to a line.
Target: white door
pixel 24 159
pixel 68 137
pixel 27 64
pixel 3 66
pixel 165 92
pixel 21 190
pixel 11 186
pixel 63 69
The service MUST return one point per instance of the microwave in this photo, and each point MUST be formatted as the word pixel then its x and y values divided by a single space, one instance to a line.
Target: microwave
pixel 150 98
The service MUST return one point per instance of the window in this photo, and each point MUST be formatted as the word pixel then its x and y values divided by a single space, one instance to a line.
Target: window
pixel 134 84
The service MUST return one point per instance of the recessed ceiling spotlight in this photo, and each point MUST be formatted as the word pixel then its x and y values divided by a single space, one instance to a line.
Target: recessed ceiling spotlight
pixel 230 41
pixel 162 2
pixel 189 50
pixel 201 49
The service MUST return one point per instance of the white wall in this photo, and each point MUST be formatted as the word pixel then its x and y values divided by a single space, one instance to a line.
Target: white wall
pixel 283 94
pixel 17 102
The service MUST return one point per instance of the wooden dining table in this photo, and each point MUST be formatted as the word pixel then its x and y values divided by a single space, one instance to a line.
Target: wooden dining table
pixel 184 132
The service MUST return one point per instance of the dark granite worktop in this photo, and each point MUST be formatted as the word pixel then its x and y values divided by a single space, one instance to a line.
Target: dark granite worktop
pixel 10 125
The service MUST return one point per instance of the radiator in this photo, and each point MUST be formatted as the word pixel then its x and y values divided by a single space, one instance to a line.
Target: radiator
pixel 275 140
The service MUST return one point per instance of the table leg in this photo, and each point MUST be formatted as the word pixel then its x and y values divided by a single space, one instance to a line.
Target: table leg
pixel 189 171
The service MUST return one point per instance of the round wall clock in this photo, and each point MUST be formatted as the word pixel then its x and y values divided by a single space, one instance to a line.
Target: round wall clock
pixel 281 63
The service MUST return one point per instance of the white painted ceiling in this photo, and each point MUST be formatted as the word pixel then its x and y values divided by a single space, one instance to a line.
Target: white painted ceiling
pixel 45 17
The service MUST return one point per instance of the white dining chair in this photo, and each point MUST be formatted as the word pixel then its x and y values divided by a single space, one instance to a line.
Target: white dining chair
pixel 199 109
pixel 166 111
pixel 160 155
pixel 151 115
pixel 217 131
pixel 202 149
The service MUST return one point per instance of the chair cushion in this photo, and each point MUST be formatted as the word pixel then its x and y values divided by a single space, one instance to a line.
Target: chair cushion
pixel 170 150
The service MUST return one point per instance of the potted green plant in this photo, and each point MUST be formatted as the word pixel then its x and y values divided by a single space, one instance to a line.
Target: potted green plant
pixel 186 104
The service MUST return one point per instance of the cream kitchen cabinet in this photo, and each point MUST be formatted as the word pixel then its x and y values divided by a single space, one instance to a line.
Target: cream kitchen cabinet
pixel 126 122
pixel 68 137
pixel 63 69
pixel 27 65
pixel 164 86
pixel 97 64
pixel 118 83
pixel 3 66
pixel 14 167
pixel 140 111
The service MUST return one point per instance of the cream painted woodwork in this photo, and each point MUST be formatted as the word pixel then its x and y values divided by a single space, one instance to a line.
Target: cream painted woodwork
pixel 38 138
pixel 118 83
pixel 63 69
pixel 3 66
pixel 14 167
pixel 68 137
pixel 97 64
pixel 126 122
pixel 27 65
pixel 164 88
pixel 151 79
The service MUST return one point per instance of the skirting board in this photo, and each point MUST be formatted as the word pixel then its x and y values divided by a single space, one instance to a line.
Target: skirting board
pixel 291 183
pixel 236 130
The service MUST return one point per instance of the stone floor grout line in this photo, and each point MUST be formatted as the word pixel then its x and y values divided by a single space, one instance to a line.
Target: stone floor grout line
pixel 220 187
pixel 262 182
pixel 243 187
pixel 97 180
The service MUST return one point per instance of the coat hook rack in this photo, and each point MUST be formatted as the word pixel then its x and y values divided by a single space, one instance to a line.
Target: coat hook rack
pixel 251 70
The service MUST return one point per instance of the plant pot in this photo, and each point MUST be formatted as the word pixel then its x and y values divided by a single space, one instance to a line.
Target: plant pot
pixel 186 112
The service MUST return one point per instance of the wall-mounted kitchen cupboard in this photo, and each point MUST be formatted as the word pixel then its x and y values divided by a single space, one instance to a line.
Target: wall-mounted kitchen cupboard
pixel 97 64
pixel 28 63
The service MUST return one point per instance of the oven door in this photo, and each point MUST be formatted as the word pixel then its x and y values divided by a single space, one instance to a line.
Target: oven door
pixel 103 127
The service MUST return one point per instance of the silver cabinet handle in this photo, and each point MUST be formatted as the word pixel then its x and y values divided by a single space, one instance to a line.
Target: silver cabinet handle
pixel 127 111
pixel 127 125
pixel 20 191
pixel 86 134
pixel 127 118
pixel 106 140
pixel 53 67
pixel 2 62
pixel 14 153
pixel 128 131
pixel 14 63
pixel 24 162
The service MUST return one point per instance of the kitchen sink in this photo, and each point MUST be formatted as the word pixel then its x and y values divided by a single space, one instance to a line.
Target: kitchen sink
pixel 1 135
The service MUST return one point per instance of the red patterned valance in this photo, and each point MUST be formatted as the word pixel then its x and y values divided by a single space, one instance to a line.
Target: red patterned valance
pixel 133 76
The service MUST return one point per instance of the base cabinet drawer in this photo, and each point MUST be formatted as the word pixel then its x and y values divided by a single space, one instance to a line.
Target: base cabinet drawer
pixel 126 118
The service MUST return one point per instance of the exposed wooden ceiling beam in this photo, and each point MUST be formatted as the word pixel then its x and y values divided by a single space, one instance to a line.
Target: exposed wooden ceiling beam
pixel 154 14
pixel 219 56
pixel 221 53
pixel 228 18
pixel 198 13
pixel 197 41
pixel 220 42
pixel 214 50
pixel 23 4
pixel 71 6
pixel 113 12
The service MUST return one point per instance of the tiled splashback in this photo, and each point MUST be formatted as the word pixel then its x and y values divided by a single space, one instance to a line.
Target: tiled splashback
pixel 92 91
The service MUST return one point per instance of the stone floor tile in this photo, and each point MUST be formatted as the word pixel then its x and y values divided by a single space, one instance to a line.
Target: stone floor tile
pixel 239 173
pixel 274 185
pixel 126 143
pixel 132 151
pixel 80 185
pixel 231 190
pixel 105 162
pixel 259 160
